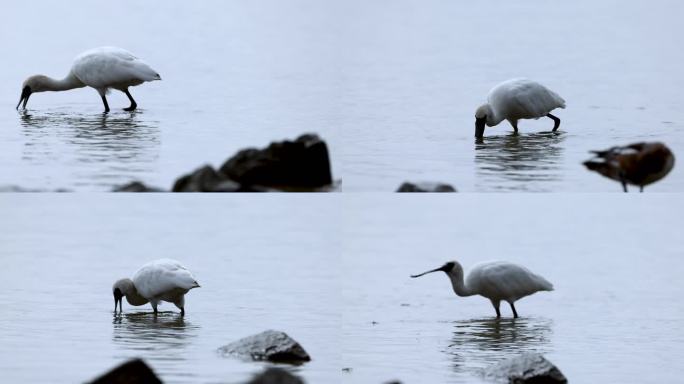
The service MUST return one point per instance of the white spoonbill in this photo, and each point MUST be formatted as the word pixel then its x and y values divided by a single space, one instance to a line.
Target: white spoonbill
pixel 495 280
pixel 100 68
pixel 517 99
pixel 159 280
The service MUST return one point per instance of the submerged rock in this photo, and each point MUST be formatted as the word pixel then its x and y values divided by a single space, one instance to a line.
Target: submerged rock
pixel 425 187
pixel 274 346
pixel 300 165
pixel 275 376
pixel 303 163
pixel 136 186
pixel 204 179
pixel 131 372
pixel 528 368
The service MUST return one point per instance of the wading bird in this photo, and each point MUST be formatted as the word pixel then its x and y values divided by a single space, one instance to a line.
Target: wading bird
pixel 496 280
pixel 159 280
pixel 638 164
pixel 101 68
pixel 517 99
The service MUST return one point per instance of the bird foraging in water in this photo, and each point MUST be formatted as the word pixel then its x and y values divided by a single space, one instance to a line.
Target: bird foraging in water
pixel 159 280
pixel 496 280
pixel 517 99
pixel 639 164
pixel 101 68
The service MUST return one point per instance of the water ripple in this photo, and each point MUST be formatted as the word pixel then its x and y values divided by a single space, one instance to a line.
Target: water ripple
pixel 519 162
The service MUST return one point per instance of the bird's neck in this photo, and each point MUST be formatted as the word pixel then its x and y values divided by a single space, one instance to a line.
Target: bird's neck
pixel 65 84
pixel 134 298
pixel 459 286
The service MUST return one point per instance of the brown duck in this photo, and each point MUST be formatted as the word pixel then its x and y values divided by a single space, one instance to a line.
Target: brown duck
pixel 637 164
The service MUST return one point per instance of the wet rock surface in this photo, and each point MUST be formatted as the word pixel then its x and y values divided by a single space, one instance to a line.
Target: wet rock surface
pixel 275 376
pixel 136 186
pixel 302 163
pixel 274 346
pixel 131 372
pixel 299 165
pixel 425 187
pixel 529 368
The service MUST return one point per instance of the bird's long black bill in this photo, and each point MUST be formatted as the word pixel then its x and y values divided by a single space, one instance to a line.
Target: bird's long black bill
pixel 425 273
pixel 479 127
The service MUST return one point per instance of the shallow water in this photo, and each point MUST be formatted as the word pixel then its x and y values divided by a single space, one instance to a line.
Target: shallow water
pixel 234 75
pixel 391 86
pixel 615 314
pixel 417 70
pixel 257 266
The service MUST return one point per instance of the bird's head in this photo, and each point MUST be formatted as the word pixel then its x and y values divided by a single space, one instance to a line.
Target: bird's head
pixel 36 83
pixel 482 113
pixel 120 289
pixel 447 268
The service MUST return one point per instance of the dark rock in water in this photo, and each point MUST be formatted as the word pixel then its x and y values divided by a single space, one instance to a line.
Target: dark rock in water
pixel 269 345
pixel 131 372
pixel 425 187
pixel 303 163
pixel 275 376
pixel 136 186
pixel 204 179
pixel 528 368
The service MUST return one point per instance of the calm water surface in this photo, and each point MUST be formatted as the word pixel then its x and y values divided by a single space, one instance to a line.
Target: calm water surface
pixel 391 85
pixel 417 70
pixel 615 316
pixel 235 74
pixel 264 266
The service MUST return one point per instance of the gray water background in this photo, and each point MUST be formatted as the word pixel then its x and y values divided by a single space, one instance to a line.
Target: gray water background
pixel 615 315
pixel 392 86
pixel 259 268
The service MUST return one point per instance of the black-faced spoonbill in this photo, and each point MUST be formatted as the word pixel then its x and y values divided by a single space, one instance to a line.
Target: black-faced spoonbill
pixel 496 280
pixel 517 99
pixel 100 68
pixel 638 164
pixel 159 280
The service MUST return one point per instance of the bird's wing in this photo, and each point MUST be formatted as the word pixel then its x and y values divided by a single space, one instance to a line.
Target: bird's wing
pixel 522 98
pixel 108 66
pixel 506 280
pixel 162 276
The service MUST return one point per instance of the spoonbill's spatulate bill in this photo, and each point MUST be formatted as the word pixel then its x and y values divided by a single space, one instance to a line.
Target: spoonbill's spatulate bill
pixel 637 164
pixel 100 68
pixel 496 280
pixel 517 99
pixel 159 280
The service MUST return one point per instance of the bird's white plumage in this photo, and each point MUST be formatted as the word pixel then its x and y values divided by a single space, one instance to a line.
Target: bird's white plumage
pixel 157 278
pixel 496 280
pixel 111 67
pixel 500 280
pixel 521 99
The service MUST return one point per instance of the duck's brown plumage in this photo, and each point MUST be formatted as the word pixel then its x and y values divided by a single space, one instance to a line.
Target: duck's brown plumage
pixel 637 164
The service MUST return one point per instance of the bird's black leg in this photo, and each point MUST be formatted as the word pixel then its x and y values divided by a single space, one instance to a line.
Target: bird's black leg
pixel 134 105
pixel 556 121
pixel 496 307
pixel 641 188
pixel 514 124
pixel 624 186
pixel 106 105
pixel 515 313
pixel 182 311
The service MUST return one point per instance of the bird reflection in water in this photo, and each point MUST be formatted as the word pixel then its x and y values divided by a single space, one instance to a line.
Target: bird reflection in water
pixel 520 162
pixel 478 343
pixel 102 149
pixel 162 336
